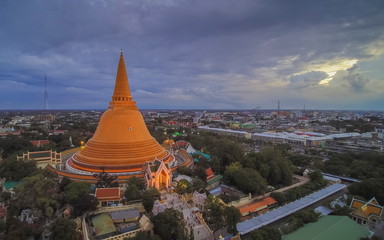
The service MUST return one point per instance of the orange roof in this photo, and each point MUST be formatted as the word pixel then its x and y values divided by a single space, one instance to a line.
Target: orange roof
pixel 366 209
pixel 254 207
pixel 373 201
pixel 108 193
pixel 209 172
pixel 357 203
pixel 270 200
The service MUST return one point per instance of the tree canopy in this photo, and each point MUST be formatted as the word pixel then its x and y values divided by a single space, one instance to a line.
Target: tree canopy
pixel 37 192
pixel 63 228
pixel 265 233
pixel 183 187
pixel 77 194
pixel 14 169
pixel 272 165
pixel 170 225
pixel 246 179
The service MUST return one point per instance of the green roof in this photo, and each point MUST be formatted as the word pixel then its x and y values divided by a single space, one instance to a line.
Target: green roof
pixel 11 184
pixel 103 225
pixel 330 227
pixel 45 154
pixel 215 179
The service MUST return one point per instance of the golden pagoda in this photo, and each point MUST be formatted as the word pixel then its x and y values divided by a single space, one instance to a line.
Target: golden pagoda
pixel 122 144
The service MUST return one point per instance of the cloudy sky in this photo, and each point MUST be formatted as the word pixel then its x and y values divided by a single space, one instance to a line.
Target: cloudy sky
pixel 216 54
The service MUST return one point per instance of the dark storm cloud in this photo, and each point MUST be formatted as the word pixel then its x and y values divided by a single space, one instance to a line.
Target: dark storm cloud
pixel 355 79
pixel 179 53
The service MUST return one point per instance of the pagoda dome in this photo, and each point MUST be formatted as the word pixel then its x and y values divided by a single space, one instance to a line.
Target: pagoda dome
pixel 122 142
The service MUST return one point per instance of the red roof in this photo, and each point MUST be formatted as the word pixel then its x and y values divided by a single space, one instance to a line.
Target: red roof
pixel 209 173
pixel 39 142
pixel 111 194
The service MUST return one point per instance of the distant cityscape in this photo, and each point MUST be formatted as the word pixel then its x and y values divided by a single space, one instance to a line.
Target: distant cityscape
pixel 315 137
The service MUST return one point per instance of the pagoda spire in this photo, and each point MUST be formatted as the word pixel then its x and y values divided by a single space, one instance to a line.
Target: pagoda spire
pixel 122 93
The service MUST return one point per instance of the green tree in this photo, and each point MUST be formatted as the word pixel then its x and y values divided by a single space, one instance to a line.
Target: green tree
pixel 341 211
pixel 132 193
pixel 232 217
pixel 149 198
pixel 214 212
pixel 279 197
pixel 78 195
pixel 369 188
pixel 63 228
pixel 85 203
pixel 198 185
pixel 246 179
pixel 265 233
pixel 20 231
pixel 104 180
pixel 298 220
pixel 272 164
pixel 13 145
pixel 183 170
pixel 13 169
pixel 37 192
pixel 316 176
pixel 200 173
pixel 75 191
pixel 139 182
pixel 170 225
pixel 183 187
pixel 65 181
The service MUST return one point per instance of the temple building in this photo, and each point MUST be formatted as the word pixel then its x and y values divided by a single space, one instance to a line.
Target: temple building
pixel 366 212
pixel 122 145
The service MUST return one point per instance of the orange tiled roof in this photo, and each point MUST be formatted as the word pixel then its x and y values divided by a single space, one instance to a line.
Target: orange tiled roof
pixel 108 193
pixel 270 200
pixel 357 203
pixel 254 207
pixel 258 205
pixel 366 209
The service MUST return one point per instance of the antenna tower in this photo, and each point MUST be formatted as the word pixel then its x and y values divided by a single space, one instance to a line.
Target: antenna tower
pixel 45 95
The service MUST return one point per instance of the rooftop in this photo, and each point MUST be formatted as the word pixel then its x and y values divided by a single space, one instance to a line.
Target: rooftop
pixel 330 227
pixel 103 225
